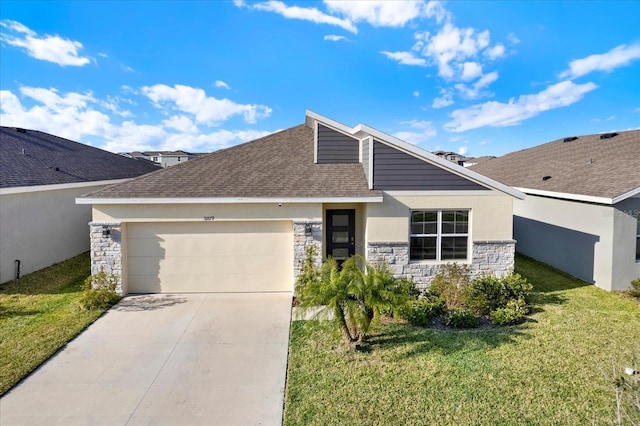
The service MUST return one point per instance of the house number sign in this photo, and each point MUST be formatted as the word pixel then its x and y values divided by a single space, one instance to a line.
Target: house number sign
pixel 209 218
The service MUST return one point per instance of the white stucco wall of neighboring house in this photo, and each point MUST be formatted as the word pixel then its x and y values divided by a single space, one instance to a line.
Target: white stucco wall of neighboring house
pixel 625 228
pixel 43 225
pixel 575 237
pixel 490 214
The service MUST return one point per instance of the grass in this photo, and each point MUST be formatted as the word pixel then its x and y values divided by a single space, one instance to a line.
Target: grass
pixel 38 315
pixel 546 371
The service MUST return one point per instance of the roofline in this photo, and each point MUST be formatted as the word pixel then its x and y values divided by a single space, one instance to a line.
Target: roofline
pixel 362 130
pixel 581 197
pixel 58 186
pixel 229 200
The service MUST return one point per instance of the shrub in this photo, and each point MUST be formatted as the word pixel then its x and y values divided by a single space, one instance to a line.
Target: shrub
pixel 516 287
pixel 635 288
pixel 99 291
pixel 486 294
pixel 462 318
pixel 451 283
pixel 513 313
pixel 420 312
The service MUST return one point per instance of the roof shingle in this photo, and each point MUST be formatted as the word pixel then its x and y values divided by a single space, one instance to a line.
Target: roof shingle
pixel 588 166
pixel 277 165
pixel 35 158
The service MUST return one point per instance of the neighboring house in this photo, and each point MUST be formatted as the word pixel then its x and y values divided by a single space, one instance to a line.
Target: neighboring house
pixel 240 219
pixel 163 158
pixel 472 161
pixel 40 177
pixel 451 156
pixel 581 210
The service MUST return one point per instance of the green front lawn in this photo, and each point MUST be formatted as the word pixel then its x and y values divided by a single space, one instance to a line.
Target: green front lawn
pixel 38 315
pixel 545 371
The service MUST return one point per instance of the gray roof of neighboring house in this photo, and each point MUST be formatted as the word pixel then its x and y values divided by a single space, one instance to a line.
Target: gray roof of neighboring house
pixel 591 165
pixel 277 165
pixel 30 157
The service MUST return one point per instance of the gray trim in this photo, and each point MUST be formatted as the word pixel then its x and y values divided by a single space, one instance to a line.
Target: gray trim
pixel 397 170
pixel 336 147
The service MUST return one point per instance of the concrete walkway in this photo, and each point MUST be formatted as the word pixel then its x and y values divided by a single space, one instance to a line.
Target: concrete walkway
pixel 181 359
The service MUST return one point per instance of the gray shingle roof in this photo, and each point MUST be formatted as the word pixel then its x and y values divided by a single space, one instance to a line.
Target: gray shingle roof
pixel 587 165
pixel 277 165
pixel 49 159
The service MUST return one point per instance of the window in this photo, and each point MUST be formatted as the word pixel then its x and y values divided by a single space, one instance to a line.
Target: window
pixel 155 159
pixel 178 158
pixel 439 235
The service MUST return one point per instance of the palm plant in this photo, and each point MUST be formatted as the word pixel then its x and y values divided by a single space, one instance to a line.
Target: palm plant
pixel 355 293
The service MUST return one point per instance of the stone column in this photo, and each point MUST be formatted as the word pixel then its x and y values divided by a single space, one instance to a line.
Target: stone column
pixel 106 249
pixel 495 258
pixel 306 233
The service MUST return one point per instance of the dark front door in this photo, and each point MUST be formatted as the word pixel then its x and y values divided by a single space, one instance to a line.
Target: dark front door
pixel 341 234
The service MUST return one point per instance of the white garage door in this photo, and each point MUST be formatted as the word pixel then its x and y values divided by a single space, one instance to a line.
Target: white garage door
pixel 210 257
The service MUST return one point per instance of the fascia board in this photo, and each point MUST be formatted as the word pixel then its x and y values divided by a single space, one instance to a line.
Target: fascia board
pixel 58 186
pixel 229 200
pixel 568 196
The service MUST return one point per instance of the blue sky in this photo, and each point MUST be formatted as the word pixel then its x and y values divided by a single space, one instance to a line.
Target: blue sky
pixel 480 78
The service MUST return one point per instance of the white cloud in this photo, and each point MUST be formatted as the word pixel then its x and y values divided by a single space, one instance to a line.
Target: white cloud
pixel 51 48
pixel 205 109
pixel 435 9
pixel 476 90
pixel 498 114
pixel 443 101
pixel 617 57
pixel 424 130
pixel 451 46
pixel 221 84
pixel 405 58
pixel 126 68
pixel 303 13
pixel 495 52
pixel 463 150
pixel 471 70
pixel 379 13
pixel 103 55
pixel 76 116
pixel 513 39
pixel 333 37
pixel 416 94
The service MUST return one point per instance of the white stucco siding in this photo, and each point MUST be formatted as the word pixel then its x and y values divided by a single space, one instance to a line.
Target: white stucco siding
pixel 42 226
pixel 625 266
pixel 572 236
pixel 491 214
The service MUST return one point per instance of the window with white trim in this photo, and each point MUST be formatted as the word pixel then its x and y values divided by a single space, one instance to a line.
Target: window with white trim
pixel 439 235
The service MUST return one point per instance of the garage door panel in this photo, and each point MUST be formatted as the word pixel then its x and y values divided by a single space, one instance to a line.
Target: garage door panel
pixel 209 257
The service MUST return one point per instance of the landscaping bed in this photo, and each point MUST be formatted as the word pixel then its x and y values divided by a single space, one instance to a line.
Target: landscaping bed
pixel 555 368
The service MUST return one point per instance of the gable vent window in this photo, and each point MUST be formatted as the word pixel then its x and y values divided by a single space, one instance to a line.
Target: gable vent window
pixel 439 235
pixel 570 139
pixel 608 135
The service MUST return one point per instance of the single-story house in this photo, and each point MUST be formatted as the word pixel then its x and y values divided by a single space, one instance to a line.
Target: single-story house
pixel 240 219
pixel 581 210
pixel 40 177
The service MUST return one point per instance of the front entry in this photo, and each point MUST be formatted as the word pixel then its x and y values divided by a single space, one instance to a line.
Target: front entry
pixel 341 234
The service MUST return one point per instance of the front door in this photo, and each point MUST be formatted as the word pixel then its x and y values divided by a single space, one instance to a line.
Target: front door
pixel 341 234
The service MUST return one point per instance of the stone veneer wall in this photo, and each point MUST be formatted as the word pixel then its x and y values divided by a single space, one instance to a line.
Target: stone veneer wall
pixel 301 240
pixel 106 252
pixel 488 257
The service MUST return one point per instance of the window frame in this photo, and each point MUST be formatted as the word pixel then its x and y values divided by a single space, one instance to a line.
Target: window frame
pixel 439 234
pixel 638 238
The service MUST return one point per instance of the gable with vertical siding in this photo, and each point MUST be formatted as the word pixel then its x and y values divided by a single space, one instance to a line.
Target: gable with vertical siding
pixel 396 170
pixel 336 147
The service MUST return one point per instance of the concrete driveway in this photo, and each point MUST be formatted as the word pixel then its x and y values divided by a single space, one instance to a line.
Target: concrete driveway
pixel 181 359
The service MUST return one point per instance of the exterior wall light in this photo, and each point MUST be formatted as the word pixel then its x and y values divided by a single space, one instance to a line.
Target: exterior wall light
pixel 308 229
pixel 105 232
